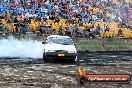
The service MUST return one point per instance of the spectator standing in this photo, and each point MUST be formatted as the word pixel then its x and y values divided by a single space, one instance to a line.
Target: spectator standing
pixel 23 30
pixel 119 32
pixel 98 28
pixel 103 28
pixel 107 28
pixel 71 30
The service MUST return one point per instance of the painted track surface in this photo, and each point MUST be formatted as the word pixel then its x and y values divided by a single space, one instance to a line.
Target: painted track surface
pixel 34 73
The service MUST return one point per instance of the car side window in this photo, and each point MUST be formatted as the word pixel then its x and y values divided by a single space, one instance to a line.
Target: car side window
pixel 48 40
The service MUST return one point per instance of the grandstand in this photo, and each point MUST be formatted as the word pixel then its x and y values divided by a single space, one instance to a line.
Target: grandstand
pixel 55 16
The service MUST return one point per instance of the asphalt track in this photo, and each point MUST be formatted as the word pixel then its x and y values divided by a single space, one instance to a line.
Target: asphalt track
pixel 16 72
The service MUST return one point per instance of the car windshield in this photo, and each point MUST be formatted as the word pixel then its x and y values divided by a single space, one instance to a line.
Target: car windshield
pixel 63 40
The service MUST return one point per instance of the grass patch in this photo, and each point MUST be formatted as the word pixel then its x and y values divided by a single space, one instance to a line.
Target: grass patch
pixel 96 44
pixel 119 45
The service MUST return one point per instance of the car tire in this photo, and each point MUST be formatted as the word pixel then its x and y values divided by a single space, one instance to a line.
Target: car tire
pixel 44 58
pixel 73 61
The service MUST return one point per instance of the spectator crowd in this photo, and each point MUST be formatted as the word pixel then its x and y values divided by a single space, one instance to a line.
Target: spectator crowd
pixel 106 18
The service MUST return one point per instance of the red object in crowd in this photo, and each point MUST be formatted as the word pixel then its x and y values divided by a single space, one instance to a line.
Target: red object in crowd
pixel 74 14
pixel 39 1
pixel 17 3
pixel 36 0
pixel 67 28
pixel 44 4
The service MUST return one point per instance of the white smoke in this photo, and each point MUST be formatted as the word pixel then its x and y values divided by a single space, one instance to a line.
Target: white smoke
pixel 13 47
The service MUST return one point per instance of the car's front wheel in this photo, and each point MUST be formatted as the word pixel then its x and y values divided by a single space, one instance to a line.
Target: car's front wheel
pixel 44 58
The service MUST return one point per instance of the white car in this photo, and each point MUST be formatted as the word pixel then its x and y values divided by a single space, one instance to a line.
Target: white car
pixel 59 47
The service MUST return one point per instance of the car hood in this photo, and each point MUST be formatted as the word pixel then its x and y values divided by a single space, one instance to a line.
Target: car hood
pixel 59 47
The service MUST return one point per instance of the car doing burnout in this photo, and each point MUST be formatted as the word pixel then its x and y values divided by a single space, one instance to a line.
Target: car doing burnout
pixel 59 47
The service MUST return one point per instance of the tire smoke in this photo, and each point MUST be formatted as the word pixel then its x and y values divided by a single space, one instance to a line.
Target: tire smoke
pixel 12 47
